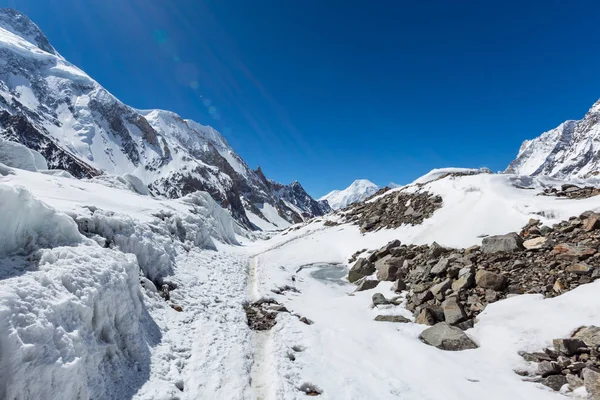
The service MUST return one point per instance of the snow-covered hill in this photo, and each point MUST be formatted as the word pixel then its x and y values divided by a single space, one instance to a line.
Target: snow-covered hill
pixel 359 190
pixel 53 107
pixel 570 150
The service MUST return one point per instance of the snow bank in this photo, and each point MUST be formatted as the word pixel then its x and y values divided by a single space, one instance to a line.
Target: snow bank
pixel 28 224
pixel 16 155
pixel 439 172
pixel 136 183
pixel 6 170
pixel 71 329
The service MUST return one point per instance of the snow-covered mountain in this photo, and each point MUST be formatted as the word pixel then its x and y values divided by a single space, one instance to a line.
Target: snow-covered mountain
pixel 53 107
pixel 568 151
pixel 359 190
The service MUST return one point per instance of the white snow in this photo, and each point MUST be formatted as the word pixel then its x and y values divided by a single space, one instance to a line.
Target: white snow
pixel 358 190
pixel 79 320
pixel 16 155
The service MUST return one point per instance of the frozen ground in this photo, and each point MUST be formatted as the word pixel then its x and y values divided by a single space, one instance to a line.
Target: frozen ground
pixel 82 316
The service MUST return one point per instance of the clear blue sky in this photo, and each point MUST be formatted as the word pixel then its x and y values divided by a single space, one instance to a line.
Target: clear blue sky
pixel 328 91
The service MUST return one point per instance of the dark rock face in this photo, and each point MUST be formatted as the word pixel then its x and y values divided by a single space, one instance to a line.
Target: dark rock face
pixel 455 285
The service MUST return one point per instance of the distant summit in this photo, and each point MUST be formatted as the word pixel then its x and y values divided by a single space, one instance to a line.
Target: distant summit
pixel 359 190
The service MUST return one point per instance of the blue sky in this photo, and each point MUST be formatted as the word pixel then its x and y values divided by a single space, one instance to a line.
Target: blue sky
pixel 326 92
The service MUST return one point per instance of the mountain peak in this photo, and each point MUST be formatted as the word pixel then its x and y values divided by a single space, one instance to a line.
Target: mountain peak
pixel 358 190
pixel 19 24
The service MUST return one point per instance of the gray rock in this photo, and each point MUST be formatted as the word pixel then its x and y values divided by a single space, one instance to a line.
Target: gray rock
pixel 569 346
pixel 439 289
pixel 366 284
pixel 446 337
pixel 463 282
pixel 468 324
pixel 392 318
pixel 555 382
pixel 590 335
pixel 547 368
pixel 360 269
pixel 435 250
pixel 453 311
pixel 399 286
pixel 425 317
pixel 579 268
pixel 574 381
pixel 490 280
pixel 386 269
pixel 421 298
pixel 591 380
pixel 511 242
pixel 440 267
pixel 379 300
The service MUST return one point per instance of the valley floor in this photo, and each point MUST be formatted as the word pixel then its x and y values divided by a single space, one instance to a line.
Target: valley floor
pixel 197 344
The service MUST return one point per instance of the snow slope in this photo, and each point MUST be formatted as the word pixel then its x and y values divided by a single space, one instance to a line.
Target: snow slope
pixel 359 190
pixel 568 151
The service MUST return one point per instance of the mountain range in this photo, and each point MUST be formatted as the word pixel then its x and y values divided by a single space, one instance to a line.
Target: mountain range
pixel 53 107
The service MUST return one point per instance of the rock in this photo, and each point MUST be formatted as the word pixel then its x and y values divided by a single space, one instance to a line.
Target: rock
pixel 366 284
pixel 490 280
pixel 392 318
pixel 536 243
pixel 446 337
pixel 566 251
pixel 555 382
pixel 399 286
pixel 306 321
pixel 392 245
pixel 579 268
pixel 511 242
pixel 591 380
pixel 590 335
pixel 559 286
pixel 453 311
pixel 440 267
pixel 379 300
pixel 435 250
pixel 465 279
pixel 569 346
pixel 547 368
pixel 422 297
pixel 360 269
pixel 439 289
pixel 468 324
pixel 386 269
pixel 592 222
pixel 574 381
pixel 425 317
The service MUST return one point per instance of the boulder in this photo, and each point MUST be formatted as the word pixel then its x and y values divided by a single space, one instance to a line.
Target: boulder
pixel 579 268
pixel 565 251
pixel 421 298
pixel 446 337
pixel 590 335
pixel 379 300
pixel 490 280
pixel 592 222
pixel 438 290
pixel 386 269
pixel 535 243
pixel 392 318
pixel 399 286
pixel 591 381
pixel 425 317
pixel 453 311
pixel 547 368
pixel 569 346
pixel 366 284
pixel 465 280
pixel 360 269
pixel 435 250
pixel 555 382
pixel 511 242
pixel 574 381
pixel 441 267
